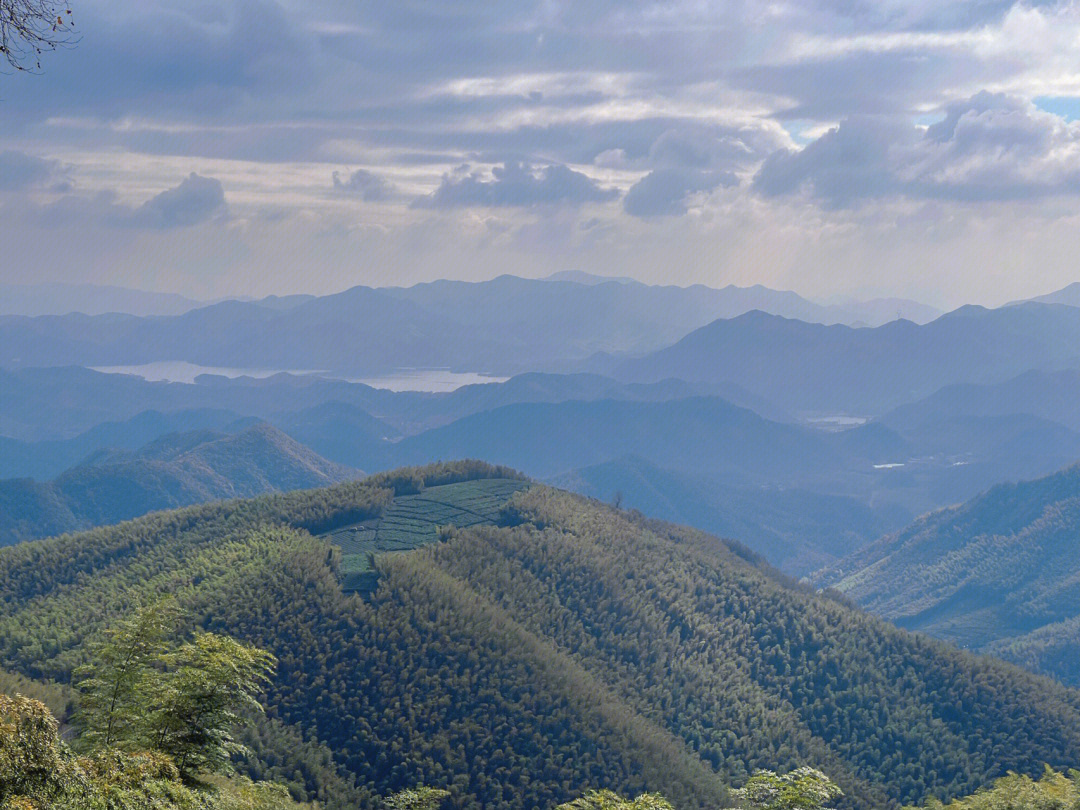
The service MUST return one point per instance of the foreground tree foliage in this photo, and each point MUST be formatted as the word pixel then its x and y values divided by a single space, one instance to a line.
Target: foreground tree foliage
pixel 143 691
pixel 39 772
pixel 1054 791
pixel 156 716
pixel 120 686
pixel 609 800
pixel 801 789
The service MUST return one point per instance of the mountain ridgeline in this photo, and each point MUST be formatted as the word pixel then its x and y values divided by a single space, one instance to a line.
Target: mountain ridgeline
pixel 535 649
pixel 507 324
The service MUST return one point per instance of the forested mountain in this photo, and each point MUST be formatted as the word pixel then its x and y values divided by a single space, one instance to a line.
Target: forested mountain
pixel 177 469
pixel 505 325
pixel 571 646
pixel 999 574
pixel 836 369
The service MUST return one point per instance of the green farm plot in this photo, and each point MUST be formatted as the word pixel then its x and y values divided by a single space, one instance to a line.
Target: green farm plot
pixel 412 521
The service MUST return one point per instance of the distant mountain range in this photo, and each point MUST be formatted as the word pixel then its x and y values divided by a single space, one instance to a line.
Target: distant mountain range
pixel 506 325
pixel 59 404
pixel 177 469
pixel 999 574
pixel 837 369
pixel 708 448
pixel 1069 295
pixel 1053 396
pixel 89 299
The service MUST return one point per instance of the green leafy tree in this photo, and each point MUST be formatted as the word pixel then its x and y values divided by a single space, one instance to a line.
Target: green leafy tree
pixel 421 798
pixel 31 766
pixel 38 772
pixel 212 681
pixel 1054 791
pixel 124 678
pixel 609 800
pixel 801 789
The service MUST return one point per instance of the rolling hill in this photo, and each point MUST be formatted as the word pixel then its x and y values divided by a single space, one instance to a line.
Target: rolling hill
pixel 553 645
pixel 1000 573
pixel 177 469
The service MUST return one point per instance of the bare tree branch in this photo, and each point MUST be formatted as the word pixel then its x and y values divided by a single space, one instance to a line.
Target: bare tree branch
pixel 28 28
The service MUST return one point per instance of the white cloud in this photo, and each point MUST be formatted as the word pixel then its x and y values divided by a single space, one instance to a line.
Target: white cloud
pixel 516 183
pixel 988 147
pixel 599 124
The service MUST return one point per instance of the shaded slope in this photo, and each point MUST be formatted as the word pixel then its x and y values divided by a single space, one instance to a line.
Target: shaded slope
pixel 1052 396
pixel 698 433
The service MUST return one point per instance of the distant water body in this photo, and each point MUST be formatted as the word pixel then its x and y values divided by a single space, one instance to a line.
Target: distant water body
pixel 409 379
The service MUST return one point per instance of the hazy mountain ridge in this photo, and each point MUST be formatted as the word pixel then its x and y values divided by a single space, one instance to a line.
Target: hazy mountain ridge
pixel 837 369
pixel 508 324
pixel 1050 395
pixel 89 299
pixel 1068 295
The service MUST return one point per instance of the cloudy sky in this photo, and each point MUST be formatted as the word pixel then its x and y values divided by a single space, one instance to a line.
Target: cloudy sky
pixel 835 147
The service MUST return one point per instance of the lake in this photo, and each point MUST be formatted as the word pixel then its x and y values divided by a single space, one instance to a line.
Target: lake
pixel 408 379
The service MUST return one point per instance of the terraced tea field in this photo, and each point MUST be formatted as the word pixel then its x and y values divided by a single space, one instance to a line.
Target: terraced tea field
pixel 412 521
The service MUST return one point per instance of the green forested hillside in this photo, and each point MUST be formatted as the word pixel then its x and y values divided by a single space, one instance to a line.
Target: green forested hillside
pixel 413 521
pixel 571 646
pixel 1000 573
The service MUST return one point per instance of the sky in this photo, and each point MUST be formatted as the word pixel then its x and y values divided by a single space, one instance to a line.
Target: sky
pixel 839 148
